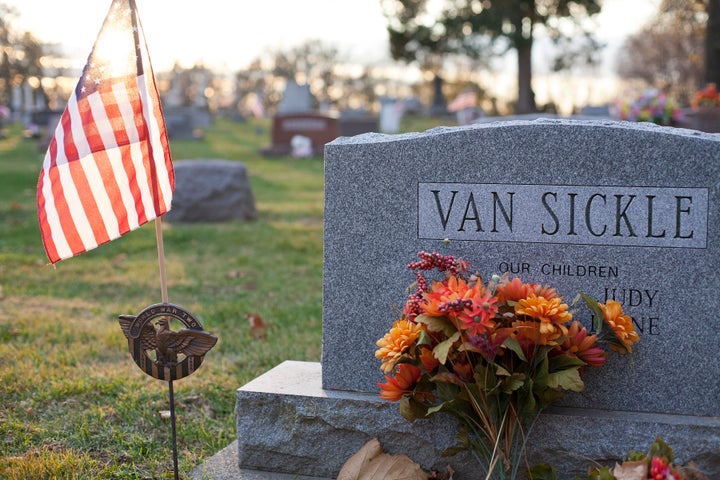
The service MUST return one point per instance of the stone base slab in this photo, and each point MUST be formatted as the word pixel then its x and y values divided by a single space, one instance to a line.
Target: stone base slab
pixel 287 423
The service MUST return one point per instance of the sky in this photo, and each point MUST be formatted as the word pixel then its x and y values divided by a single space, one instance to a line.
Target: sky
pixel 228 34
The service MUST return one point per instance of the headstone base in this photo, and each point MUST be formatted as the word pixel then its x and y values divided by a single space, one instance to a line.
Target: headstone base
pixel 287 423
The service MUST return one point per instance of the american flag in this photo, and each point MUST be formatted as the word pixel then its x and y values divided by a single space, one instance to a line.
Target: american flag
pixel 108 169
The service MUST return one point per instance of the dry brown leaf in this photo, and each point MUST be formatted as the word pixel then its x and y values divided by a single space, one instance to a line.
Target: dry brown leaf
pixel 372 463
pixel 258 327
pixel 631 470
pixel 448 475
pixel 691 472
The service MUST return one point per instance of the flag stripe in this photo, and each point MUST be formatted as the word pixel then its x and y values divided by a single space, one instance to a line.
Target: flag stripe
pixel 122 136
pixel 87 179
pixel 108 169
pixel 158 159
pixel 116 206
pixel 68 228
pixel 135 157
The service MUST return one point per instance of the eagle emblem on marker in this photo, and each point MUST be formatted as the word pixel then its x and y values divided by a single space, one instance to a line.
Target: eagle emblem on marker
pixel 177 353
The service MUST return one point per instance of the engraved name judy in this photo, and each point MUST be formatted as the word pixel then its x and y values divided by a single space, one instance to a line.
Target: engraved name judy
pixel 576 214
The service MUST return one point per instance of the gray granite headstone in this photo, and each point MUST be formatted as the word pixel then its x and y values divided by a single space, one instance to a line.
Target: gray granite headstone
pixel 211 190
pixel 618 210
pixel 295 99
pixel 622 211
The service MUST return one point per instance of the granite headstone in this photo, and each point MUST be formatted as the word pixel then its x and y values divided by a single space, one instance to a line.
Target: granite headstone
pixel 618 210
pixel 211 190
pixel 621 211
pixel 317 127
pixel 296 99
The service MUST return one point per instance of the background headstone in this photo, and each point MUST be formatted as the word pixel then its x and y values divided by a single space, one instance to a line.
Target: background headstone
pixel 356 122
pixel 439 104
pixel 295 99
pixel 180 123
pixel 391 113
pixel 211 191
pixel 317 127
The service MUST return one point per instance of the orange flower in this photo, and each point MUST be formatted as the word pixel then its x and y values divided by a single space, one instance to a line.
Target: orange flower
pixel 513 290
pixel 444 294
pixel 545 291
pixel 621 324
pixel 551 313
pixel 583 346
pixel 531 333
pixel 464 371
pixel 428 360
pixel 397 341
pixel 395 387
pixel 528 336
pixel 477 319
pixel 547 310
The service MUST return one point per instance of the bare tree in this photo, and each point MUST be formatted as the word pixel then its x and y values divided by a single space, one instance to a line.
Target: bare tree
pixel 712 42
pixel 668 52
pixel 311 62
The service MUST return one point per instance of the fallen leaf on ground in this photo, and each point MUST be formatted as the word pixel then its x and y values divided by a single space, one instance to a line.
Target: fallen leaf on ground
pixel 258 327
pixel 448 475
pixel 372 463
pixel 631 470
pixel 691 472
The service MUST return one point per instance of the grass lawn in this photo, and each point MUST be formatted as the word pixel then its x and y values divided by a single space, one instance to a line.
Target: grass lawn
pixel 73 404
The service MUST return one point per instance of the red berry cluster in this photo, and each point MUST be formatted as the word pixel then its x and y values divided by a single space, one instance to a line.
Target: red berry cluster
pixel 443 263
pixel 430 261
pixel 456 305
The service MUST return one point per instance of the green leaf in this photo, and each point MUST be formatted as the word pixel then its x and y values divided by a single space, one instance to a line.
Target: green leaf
pixel 513 345
pixel 411 409
pixel 549 396
pixel 603 474
pixel 468 347
pixel 598 316
pixel 568 379
pixel 542 471
pixel 634 456
pixel 512 383
pixel 484 377
pixel 527 399
pixel 442 349
pixel 447 377
pixel 661 449
pixel 447 391
pixel 423 339
pixel 561 362
pixel 437 324
pixel 541 374
pixel 449 403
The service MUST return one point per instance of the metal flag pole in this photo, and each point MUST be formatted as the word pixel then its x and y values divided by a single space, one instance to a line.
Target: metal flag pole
pixel 161 259
pixel 164 294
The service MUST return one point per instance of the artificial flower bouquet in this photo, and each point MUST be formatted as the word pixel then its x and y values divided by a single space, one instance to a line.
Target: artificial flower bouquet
pixel 652 106
pixel 491 354
pixel 709 97
pixel 655 464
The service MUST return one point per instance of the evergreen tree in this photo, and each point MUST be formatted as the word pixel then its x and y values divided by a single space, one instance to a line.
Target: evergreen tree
pixel 480 28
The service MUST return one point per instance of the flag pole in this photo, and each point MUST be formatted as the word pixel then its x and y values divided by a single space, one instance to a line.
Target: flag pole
pixel 164 294
pixel 161 259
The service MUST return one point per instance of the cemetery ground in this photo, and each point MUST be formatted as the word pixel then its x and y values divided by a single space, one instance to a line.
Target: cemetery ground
pixel 72 402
